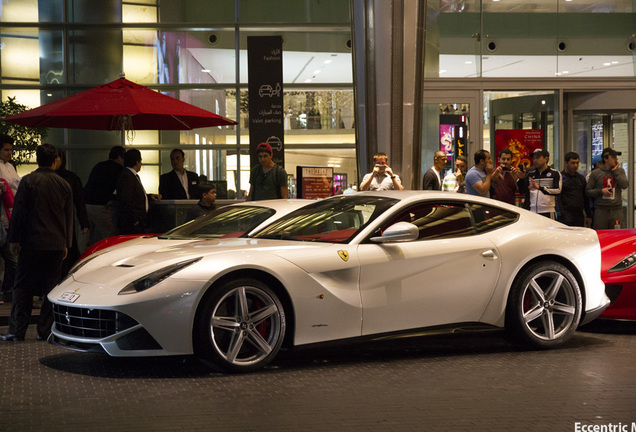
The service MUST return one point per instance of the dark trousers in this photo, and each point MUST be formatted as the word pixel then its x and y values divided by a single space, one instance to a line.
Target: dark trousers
pixel 606 217
pixel 10 263
pixel 37 273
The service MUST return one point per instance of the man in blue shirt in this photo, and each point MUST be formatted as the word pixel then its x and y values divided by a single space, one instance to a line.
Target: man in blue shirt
pixel 479 177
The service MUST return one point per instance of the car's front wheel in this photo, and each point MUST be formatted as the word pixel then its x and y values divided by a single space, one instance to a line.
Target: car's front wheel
pixel 240 326
pixel 544 305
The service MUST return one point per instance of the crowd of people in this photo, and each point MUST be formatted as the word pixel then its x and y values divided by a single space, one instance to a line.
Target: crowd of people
pixel 567 196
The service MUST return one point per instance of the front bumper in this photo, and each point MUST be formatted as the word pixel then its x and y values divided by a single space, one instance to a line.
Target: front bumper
pixel 155 322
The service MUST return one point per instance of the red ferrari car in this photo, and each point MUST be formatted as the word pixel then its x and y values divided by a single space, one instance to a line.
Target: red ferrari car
pixel 618 271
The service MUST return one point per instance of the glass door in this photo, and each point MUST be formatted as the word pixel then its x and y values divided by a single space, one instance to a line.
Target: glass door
pixel 447 125
pixel 595 131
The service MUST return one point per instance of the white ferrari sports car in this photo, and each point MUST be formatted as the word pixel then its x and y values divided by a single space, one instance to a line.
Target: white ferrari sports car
pixel 364 265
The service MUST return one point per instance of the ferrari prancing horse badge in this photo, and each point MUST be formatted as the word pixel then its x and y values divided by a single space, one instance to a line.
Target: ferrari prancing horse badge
pixel 344 255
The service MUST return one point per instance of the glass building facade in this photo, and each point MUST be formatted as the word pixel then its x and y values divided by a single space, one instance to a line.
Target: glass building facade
pixel 360 76
pixel 195 51
pixel 469 71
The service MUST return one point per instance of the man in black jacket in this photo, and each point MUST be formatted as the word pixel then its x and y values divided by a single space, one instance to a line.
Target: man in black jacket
pixel 433 177
pixel 179 183
pixel 80 212
pixel 206 203
pixel 40 234
pixel 132 200
pixel 99 192
pixel 573 204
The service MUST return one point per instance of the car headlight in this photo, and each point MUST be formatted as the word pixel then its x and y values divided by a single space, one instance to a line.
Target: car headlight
pixel 624 264
pixel 155 277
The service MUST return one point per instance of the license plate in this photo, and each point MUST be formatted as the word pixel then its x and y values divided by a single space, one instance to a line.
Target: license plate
pixel 68 297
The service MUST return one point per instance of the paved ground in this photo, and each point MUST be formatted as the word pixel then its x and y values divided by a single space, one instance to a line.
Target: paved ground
pixel 474 382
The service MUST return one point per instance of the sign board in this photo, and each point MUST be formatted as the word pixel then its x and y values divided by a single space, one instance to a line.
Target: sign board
pixel 265 76
pixel 314 182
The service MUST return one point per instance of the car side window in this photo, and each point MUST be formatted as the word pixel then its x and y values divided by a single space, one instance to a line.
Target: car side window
pixel 488 218
pixel 437 220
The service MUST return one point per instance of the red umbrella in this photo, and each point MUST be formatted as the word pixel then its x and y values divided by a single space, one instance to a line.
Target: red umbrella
pixel 119 105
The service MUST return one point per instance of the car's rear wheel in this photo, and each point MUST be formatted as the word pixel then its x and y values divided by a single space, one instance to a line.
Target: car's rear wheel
pixel 544 306
pixel 240 326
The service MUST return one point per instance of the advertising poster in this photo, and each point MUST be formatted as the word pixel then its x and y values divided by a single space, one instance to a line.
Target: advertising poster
pixel 446 138
pixel 265 76
pixel 314 182
pixel 521 142
pixel 452 139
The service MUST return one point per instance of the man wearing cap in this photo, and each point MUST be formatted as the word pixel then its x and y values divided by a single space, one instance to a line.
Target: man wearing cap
pixel 267 179
pixel 604 186
pixel 540 185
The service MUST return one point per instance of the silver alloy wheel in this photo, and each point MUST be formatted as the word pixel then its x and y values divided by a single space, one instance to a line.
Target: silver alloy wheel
pixel 549 305
pixel 246 325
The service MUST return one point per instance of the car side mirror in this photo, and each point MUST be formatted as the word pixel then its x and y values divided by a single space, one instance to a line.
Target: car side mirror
pixel 398 232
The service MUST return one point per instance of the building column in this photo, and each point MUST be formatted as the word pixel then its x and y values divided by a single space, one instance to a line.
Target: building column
pixel 388 41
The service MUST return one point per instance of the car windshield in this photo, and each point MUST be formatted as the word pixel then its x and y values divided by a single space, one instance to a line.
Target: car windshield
pixel 334 220
pixel 229 221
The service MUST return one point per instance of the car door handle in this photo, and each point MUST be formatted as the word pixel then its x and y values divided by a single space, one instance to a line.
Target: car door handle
pixel 490 254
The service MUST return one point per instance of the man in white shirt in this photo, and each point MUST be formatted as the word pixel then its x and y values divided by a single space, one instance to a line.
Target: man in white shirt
pixel 382 176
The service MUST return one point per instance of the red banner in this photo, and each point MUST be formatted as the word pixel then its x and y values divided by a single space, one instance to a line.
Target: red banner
pixel 521 142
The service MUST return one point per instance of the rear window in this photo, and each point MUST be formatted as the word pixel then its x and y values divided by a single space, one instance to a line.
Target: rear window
pixel 488 218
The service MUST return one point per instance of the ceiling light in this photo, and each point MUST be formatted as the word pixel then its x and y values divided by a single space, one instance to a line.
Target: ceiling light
pixel 442 71
pixel 468 62
pixel 328 61
pixel 205 70
pixel 316 72
pixel 607 64
pixel 615 62
pixel 308 80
